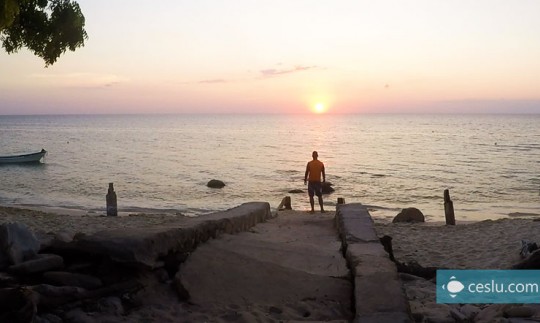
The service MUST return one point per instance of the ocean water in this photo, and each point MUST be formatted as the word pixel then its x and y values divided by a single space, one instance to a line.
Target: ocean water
pixel 161 163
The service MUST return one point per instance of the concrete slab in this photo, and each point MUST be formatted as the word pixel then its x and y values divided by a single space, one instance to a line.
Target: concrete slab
pixel 378 292
pixel 290 266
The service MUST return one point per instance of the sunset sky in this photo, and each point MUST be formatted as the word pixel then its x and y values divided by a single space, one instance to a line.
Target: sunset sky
pixel 287 56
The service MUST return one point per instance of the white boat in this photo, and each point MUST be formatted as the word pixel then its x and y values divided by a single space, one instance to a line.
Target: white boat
pixel 21 159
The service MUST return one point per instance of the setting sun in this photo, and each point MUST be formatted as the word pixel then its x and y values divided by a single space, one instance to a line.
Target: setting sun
pixel 319 108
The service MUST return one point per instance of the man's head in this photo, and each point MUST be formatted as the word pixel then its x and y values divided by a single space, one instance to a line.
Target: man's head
pixel 315 155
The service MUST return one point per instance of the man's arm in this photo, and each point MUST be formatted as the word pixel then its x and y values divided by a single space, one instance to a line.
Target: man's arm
pixel 306 174
pixel 323 175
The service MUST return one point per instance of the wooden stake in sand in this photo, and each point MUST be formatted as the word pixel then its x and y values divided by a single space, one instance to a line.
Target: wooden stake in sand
pixel 449 209
pixel 112 209
pixel 340 200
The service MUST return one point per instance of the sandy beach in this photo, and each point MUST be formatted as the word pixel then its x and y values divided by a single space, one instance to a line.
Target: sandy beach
pixel 73 221
pixel 488 244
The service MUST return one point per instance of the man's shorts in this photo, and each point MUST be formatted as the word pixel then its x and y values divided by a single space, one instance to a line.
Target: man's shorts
pixel 314 188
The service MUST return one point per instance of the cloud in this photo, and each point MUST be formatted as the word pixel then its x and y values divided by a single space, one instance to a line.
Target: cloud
pixel 82 80
pixel 213 81
pixel 271 72
pixel 266 73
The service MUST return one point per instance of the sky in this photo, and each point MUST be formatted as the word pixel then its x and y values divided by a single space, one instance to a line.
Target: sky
pixel 288 56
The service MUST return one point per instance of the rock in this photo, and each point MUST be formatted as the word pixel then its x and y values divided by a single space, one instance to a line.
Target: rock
pixel 17 243
pixel 111 305
pixel 458 316
pixel 42 263
pixel 532 262
pixel 327 188
pixel 181 291
pixel 470 311
pixel 7 279
pixel 52 296
pixel 62 278
pixel 296 191
pixel 519 311
pixel 49 318
pixel 17 305
pixel 431 312
pixel 409 215
pixel 79 316
pixel 214 183
pixel 414 268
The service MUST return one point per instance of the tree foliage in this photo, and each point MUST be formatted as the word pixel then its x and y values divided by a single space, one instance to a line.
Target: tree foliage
pixel 46 27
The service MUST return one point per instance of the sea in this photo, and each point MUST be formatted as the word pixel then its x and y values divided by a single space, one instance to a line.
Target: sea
pixel 161 163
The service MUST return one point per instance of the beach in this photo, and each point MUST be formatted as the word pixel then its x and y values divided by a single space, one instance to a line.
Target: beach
pixel 488 244
pixel 52 220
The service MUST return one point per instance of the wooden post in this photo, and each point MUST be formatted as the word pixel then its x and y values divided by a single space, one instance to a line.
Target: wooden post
pixel 285 204
pixel 340 200
pixel 449 209
pixel 112 209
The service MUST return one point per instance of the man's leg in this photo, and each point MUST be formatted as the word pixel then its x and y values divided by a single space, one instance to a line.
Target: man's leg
pixel 321 202
pixel 311 193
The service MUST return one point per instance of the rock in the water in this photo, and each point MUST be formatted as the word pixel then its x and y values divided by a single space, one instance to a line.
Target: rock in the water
pixel 215 183
pixel 327 188
pixel 17 243
pixel 296 191
pixel 410 214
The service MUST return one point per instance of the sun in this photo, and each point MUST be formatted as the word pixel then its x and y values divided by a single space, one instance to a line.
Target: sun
pixel 319 107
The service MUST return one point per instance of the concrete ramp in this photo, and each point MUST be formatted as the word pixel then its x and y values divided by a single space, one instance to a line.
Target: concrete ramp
pixel 288 268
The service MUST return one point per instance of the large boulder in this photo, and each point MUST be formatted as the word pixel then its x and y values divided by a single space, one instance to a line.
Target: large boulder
pixel 410 214
pixel 41 263
pixel 17 244
pixel 215 183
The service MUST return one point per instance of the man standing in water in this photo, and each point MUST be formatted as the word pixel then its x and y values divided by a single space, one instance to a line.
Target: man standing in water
pixel 314 169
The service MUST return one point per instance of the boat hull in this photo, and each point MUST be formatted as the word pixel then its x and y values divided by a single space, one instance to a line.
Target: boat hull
pixel 23 159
